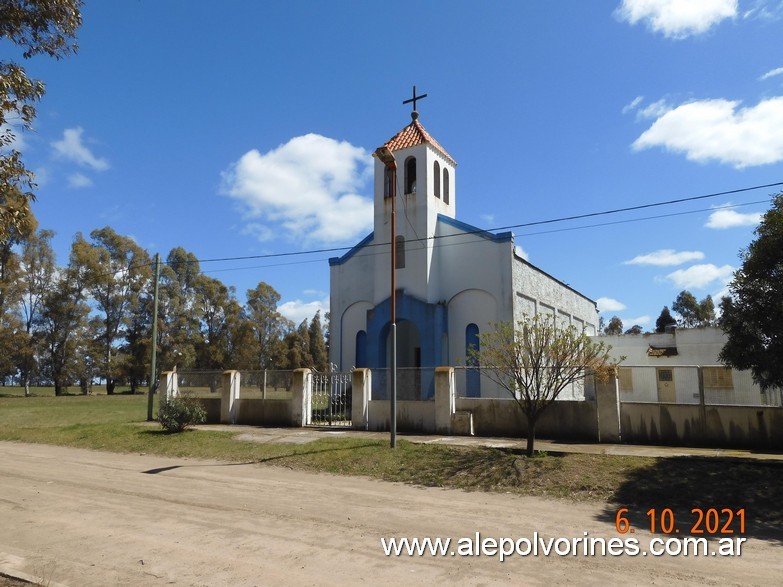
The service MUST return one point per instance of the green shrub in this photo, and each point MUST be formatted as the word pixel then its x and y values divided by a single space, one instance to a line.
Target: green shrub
pixel 178 413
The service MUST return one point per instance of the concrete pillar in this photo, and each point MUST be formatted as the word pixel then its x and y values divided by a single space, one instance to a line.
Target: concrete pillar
pixel 169 385
pixel 607 400
pixel 361 387
pixel 229 402
pixel 301 398
pixel 445 399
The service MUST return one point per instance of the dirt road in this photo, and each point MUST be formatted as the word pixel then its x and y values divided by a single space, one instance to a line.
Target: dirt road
pixel 77 517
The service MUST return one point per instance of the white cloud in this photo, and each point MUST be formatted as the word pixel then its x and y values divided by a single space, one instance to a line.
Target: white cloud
pixel 78 180
pixel 640 320
pixel 297 310
pixel 488 218
pixel 771 73
pixel 655 110
pixel 724 218
pixel 308 187
pixel 72 148
pixel 521 253
pixel 717 130
pixel 633 104
pixel 665 257
pixel 609 305
pixel 768 10
pixel 677 19
pixel 699 276
pixel 259 231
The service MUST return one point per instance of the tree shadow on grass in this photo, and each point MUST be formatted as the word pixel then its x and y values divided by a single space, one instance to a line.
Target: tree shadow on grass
pixel 685 483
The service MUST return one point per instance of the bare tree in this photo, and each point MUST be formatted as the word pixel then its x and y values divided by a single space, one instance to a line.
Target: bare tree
pixel 536 360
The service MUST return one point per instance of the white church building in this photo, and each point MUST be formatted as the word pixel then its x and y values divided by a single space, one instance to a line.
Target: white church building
pixel 453 280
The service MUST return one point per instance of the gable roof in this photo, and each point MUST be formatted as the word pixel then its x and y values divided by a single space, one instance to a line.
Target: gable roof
pixel 412 135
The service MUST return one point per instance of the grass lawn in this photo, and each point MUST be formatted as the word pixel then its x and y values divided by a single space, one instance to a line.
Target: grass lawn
pixel 113 423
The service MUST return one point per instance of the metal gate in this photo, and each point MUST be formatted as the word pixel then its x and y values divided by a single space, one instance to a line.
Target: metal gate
pixel 331 399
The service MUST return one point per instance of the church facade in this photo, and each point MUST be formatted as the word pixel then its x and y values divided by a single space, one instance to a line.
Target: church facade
pixel 453 280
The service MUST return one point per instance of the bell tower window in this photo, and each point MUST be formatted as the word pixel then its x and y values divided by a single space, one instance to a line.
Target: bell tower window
pixel 445 185
pixel 410 175
pixel 436 176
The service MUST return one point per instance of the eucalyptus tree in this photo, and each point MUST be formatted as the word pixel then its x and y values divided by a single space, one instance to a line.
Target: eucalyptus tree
pixel 240 345
pixel 318 344
pixel 137 346
pixel 114 270
pixel 43 27
pixel 178 325
pixel 10 320
pixel 61 326
pixel 211 307
pixel 37 279
pixel 269 326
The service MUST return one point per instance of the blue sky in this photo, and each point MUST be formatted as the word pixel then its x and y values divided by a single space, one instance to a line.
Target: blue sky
pixel 246 128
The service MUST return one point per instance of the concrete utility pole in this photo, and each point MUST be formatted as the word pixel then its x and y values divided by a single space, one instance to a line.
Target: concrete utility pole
pixel 154 345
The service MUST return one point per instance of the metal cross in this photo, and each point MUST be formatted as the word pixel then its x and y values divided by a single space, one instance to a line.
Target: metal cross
pixel 415 97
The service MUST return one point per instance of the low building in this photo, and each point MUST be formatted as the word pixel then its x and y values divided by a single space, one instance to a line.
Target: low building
pixel 668 368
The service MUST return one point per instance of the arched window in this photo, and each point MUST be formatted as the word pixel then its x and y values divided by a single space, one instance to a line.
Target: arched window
pixel 445 185
pixel 399 244
pixel 361 349
pixel 436 175
pixel 472 374
pixel 387 183
pixel 410 175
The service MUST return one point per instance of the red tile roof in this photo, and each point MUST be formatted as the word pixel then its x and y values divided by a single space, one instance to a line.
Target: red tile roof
pixel 412 135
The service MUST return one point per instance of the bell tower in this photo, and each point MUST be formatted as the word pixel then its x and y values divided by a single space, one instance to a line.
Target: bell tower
pixel 425 183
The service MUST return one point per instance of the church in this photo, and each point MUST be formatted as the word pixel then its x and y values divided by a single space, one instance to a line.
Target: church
pixel 453 280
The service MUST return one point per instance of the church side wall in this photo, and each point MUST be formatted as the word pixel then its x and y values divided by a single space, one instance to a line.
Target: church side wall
pixel 475 281
pixel 471 262
pixel 535 292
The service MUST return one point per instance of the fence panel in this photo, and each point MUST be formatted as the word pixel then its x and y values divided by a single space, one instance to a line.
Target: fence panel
pixel 473 382
pixel 267 384
pixel 198 383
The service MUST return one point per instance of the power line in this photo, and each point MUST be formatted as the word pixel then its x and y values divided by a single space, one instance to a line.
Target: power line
pixel 465 242
pixel 498 228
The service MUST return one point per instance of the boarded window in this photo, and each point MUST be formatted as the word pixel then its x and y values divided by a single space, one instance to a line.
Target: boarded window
pixel 387 181
pixel 399 244
pixel 719 377
pixel 626 379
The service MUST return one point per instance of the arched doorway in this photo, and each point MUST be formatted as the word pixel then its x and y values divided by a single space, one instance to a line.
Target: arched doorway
pixel 408 359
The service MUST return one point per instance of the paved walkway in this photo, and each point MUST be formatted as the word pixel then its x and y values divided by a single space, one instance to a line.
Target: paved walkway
pixel 310 434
